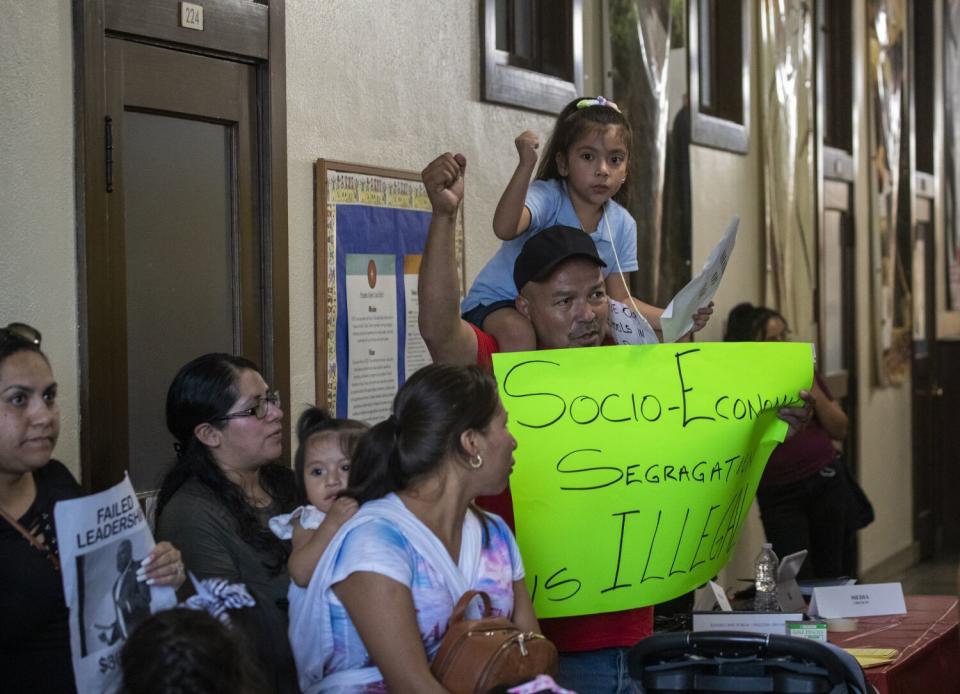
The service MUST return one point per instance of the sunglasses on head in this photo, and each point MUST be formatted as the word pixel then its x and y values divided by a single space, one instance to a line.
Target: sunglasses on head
pixel 21 331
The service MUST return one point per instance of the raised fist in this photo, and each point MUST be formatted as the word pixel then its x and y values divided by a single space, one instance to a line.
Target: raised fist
pixel 443 179
pixel 527 144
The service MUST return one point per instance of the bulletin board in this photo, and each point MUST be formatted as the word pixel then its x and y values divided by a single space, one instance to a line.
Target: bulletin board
pixel 371 230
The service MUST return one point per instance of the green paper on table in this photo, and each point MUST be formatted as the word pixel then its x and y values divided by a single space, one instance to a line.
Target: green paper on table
pixel 873 657
pixel 636 465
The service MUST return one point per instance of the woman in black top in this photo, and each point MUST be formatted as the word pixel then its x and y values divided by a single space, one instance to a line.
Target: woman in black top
pixel 34 636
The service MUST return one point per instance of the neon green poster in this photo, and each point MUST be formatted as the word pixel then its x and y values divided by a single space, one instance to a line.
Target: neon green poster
pixel 636 465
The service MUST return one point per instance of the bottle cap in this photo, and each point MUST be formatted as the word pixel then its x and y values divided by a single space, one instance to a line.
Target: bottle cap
pixel 767 545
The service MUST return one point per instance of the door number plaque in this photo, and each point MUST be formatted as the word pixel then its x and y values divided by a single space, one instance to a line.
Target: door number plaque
pixel 191 16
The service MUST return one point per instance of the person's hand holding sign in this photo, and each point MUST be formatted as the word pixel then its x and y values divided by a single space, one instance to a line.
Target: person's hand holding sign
pixel 797 418
pixel 700 320
pixel 701 317
pixel 162 567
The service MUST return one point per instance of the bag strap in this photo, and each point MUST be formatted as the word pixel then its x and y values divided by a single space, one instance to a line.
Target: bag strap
pixel 460 610
pixel 23 531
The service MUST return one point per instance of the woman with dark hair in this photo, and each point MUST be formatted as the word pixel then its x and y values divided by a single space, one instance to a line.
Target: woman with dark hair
pixel 216 500
pixel 34 635
pixel 804 491
pixel 383 592
pixel 749 323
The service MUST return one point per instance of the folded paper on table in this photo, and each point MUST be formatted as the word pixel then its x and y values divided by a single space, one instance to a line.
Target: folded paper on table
pixel 677 318
pixel 873 657
pixel 788 592
pixel 636 465
pixel 863 600
pixel 706 597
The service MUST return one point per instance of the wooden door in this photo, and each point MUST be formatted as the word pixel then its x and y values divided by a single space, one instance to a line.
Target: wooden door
pixel 184 225
pixel 183 258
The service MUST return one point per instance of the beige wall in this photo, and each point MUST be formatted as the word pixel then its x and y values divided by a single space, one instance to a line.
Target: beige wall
pixel 396 101
pixel 38 276
pixel 392 102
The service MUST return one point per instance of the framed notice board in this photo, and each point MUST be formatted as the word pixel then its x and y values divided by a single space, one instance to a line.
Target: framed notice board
pixel 371 228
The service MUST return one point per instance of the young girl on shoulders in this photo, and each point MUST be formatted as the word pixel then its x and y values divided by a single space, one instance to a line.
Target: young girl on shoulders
pixel 322 466
pixel 584 167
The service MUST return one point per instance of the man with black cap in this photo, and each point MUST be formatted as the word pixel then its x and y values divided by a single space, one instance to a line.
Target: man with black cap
pixel 557 274
pixel 562 294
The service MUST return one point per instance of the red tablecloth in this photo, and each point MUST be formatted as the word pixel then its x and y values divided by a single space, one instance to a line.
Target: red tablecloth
pixel 928 644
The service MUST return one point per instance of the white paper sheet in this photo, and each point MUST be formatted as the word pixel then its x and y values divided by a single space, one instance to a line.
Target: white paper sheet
pixel 372 373
pixel 677 318
pixel 103 538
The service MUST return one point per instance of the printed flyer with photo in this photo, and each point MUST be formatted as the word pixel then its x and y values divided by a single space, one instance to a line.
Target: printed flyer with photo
pixel 103 540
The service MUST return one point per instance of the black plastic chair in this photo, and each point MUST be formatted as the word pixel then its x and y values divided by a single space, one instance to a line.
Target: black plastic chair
pixel 733 661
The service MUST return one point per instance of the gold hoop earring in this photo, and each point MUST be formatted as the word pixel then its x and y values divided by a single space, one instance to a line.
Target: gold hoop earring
pixel 476 462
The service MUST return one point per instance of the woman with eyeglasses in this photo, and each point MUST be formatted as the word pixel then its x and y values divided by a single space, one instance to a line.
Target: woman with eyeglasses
pixel 805 491
pixel 34 633
pixel 217 498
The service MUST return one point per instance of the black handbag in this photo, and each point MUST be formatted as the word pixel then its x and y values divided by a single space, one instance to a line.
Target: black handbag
pixel 859 509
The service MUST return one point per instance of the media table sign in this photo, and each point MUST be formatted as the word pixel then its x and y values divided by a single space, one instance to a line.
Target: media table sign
pixel 867 600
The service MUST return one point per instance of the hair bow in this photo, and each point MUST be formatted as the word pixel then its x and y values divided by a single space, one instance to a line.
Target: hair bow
pixel 216 596
pixel 599 101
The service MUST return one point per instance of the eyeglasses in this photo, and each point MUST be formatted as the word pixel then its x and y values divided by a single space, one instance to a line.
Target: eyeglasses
pixel 259 410
pixel 21 331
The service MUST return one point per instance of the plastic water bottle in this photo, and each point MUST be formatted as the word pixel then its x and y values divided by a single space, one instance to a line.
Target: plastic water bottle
pixel 765 580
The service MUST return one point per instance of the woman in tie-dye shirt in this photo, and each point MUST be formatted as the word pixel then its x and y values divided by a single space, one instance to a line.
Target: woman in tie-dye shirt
pixel 381 597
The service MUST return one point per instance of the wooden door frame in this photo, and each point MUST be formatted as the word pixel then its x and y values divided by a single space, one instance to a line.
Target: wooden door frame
pixel 837 165
pixel 248 32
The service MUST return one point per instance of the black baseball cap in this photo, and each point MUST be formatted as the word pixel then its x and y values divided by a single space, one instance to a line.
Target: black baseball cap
pixel 544 251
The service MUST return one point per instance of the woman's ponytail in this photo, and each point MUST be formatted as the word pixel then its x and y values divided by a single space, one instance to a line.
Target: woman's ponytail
pixel 430 412
pixel 376 468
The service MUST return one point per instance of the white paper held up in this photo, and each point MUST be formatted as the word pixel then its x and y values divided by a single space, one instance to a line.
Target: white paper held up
pixel 677 318
pixel 103 539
